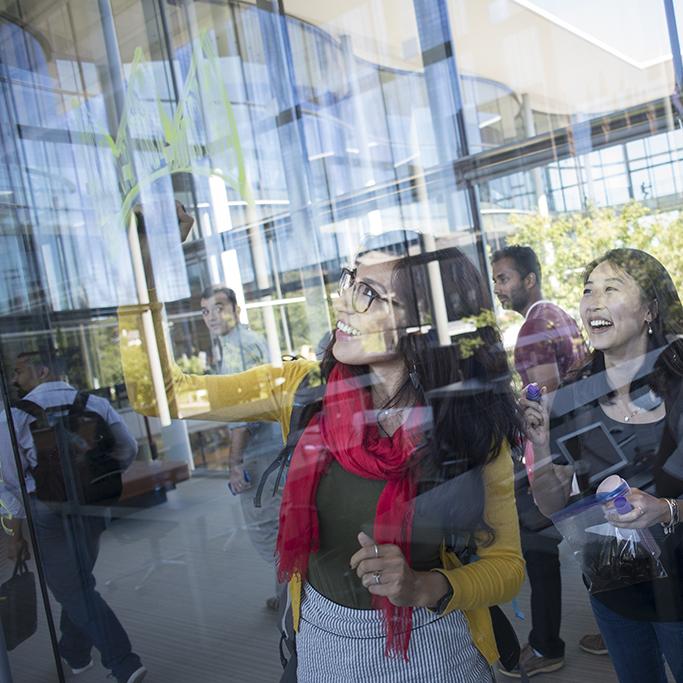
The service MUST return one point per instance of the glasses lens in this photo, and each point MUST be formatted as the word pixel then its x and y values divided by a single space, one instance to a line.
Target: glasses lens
pixel 363 296
pixel 345 280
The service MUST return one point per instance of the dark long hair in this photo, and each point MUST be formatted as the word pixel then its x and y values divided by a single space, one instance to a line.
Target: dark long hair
pixel 466 383
pixel 659 292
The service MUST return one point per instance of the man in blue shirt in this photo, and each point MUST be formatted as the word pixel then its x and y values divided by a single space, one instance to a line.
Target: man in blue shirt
pixel 68 543
pixel 253 446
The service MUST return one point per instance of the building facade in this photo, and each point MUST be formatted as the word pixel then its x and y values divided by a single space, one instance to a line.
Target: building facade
pixel 289 130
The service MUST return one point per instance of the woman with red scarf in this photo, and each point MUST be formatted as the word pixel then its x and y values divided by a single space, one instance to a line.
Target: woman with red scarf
pixel 407 456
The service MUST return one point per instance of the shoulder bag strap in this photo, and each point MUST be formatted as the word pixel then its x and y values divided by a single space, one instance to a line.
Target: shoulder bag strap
pixel 306 403
pixel 20 566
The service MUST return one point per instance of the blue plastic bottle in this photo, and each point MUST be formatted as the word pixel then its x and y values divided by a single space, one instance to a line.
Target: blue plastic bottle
pixel 622 506
pixel 534 393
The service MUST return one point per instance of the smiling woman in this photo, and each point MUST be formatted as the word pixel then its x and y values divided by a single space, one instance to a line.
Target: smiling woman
pixel 631 386
pixel 364 500
pixel 368 313
pixel 407 450
pixel 616 312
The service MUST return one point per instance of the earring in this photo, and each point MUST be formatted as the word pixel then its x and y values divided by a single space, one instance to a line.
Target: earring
pixel 649 328
pixel 414 378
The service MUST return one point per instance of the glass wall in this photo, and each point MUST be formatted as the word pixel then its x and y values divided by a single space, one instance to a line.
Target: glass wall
pixel 152 149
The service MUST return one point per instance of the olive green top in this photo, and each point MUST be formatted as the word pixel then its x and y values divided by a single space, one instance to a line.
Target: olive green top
pixel 346 506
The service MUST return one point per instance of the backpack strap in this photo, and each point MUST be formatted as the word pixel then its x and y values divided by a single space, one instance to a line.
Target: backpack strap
pixel 41 421
pixel 307 402
pixel 79 403
pixel 34 410
pixel 463 545
pixel 41 414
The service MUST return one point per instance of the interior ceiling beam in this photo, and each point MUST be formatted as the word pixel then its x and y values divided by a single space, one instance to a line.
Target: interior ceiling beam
pixel 626 125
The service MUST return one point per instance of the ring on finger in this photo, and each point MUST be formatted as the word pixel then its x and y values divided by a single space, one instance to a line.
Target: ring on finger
pixel 378 578
pixel 376 549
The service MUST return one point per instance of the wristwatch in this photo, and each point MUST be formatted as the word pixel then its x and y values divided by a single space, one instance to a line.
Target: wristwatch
pixel 441 605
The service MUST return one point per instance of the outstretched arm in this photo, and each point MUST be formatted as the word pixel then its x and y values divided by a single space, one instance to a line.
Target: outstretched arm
pixel 261 393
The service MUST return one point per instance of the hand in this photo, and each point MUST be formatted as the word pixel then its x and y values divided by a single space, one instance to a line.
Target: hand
pixel 185 221
pixel 647 511
pixel 237 480
pixel 17 547
pixel 536 419
pixel 403 586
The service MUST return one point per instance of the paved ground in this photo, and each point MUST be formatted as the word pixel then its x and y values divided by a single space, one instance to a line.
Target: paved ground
pixel 204 620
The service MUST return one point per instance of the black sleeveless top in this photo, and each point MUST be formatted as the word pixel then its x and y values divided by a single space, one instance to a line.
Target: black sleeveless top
pixel 647 448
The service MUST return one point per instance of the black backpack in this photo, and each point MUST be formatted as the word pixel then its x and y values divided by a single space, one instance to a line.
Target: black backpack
pixel 74 460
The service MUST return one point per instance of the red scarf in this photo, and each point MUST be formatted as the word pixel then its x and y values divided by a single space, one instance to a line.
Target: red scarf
pixel 346 430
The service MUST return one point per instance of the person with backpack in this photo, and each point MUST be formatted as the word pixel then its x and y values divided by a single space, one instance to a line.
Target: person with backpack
pixel 73 449
pixel 404 454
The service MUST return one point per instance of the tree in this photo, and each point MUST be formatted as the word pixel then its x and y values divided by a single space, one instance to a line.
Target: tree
pixel 565 244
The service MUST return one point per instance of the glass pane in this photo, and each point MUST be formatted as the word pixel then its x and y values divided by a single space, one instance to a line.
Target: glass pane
pixel 24 614
pixel 182 183
pixel 556 63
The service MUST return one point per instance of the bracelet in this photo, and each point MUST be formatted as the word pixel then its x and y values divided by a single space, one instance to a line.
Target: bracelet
pixel 675 516
pixel 443 601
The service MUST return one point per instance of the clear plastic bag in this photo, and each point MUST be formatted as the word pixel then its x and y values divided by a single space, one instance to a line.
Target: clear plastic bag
pixel 610 557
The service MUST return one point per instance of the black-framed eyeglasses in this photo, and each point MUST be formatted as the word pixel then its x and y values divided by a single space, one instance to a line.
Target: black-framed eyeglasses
pixel 362 294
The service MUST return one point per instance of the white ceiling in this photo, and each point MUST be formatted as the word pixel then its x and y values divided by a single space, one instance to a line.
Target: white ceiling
pixel 634 36
pixel 575 57
pixel 570 57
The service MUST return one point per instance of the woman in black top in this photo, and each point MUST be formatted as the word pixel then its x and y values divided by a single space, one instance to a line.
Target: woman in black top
pixel 631 386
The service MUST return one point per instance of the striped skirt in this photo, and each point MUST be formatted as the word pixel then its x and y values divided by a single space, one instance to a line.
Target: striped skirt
pixel 337 644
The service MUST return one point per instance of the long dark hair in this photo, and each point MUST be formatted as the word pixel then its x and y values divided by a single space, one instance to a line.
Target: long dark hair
pixel 659 292
pixel 466 383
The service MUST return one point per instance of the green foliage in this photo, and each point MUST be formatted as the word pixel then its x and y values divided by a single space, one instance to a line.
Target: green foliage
pixel 300 318
pixel 105 348
pixel 565 244
pixel 468 345
pixel 193 365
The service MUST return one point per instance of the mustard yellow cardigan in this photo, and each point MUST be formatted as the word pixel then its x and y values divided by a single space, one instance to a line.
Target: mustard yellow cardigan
pixel 266 393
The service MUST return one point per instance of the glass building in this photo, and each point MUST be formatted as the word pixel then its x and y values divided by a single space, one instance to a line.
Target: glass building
pixel 289 130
